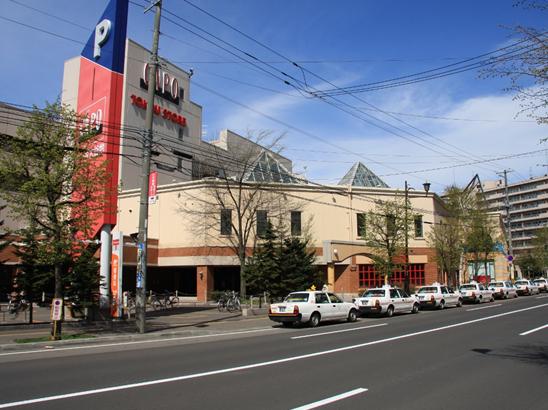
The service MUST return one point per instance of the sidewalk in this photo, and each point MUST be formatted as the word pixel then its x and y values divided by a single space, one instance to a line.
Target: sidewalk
pixel 184 320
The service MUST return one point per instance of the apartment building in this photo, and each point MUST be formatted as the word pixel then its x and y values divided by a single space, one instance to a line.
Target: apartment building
pixel 528 208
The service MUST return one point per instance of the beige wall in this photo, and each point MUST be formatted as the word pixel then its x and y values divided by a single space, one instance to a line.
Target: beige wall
pixel 331 212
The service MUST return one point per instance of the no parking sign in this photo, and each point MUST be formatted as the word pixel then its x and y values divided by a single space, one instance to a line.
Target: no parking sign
pixel 56 309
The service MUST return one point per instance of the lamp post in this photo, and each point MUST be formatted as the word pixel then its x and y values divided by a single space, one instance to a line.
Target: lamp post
pixel 426 187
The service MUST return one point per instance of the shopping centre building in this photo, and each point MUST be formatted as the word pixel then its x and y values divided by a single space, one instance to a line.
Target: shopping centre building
pixel 190 233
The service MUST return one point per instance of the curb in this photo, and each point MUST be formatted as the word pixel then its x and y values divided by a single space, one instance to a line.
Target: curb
pixel 157 334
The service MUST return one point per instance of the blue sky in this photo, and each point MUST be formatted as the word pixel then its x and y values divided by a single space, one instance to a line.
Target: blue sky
pixel 346 42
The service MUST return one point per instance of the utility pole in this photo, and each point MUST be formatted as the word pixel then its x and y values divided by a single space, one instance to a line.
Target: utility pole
pixel 140 292
pixel 508 225
pixel 406 279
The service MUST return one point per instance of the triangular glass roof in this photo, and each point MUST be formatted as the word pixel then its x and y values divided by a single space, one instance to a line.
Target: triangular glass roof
pixel 360 175
pixel 268 169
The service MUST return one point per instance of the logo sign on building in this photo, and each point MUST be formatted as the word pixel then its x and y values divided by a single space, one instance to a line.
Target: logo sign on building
pixel 56 309
pixel 116 273
pixel 167 86
pixel 152 187
pixel 100 87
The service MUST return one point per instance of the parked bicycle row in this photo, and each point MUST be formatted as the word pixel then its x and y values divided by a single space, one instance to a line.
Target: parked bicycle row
pixel 311 307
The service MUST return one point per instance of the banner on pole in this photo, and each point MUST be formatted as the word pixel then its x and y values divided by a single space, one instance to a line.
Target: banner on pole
pixel 117 265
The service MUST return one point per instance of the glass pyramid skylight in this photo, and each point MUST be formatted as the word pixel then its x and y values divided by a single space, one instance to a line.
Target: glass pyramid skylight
pixel 268 169
pixel 360 175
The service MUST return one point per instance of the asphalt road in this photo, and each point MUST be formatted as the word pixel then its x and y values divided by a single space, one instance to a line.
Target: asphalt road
pixel 472 357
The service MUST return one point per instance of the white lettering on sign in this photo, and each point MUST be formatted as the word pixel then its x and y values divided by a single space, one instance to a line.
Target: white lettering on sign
pixel 102 31
pixel 166 85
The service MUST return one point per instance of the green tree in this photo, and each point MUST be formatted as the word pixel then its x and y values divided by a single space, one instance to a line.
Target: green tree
pixel 529 265
pixel 446 238
pixel 540 249
pixel 385 231
pixel 479 240
pixel 279 266
pixel 50 173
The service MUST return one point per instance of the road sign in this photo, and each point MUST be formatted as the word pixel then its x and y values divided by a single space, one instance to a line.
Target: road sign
pixel 510 258
pixel 56 309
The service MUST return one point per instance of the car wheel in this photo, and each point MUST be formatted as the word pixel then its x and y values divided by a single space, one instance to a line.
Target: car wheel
pixel 314 320
pixel 459 303
pixel 352 315
pixel 492 299
pixel 415 308
pixel 478 300
pixel 442 305
pixel 390 311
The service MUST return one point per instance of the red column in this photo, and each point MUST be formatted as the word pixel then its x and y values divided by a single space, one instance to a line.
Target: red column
pixel 204 282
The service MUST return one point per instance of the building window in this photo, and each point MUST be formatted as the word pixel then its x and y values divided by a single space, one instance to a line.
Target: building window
pixel 295 223
pixel 418 226
pixel 416 275
pixel 226 221
pixel 360 225
pixel 368 277
pixel 262 223
pixel 179 164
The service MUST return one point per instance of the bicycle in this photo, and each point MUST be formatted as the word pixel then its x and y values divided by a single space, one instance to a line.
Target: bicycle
pixel 158 301
pixel 233 303
pixel 17 305
pixel 222 302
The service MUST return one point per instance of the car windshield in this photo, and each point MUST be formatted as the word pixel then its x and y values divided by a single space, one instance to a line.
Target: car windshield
pixel 428 289
pixel 521 282
pixel 296 297
pixel 468 287
pixel 540 281
pixel 496 284
pixel 371 293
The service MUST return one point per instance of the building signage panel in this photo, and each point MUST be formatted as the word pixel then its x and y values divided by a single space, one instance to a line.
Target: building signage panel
pixel 100 88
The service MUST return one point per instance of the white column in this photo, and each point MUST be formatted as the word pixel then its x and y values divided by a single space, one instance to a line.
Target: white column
pixel 104 270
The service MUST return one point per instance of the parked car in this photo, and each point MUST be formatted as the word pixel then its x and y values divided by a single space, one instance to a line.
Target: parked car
pixel 542 284
pixel 438 296
pixel 311 307
pixel 475 293
pixel 503 289
pixel 386 300
pixel 526 287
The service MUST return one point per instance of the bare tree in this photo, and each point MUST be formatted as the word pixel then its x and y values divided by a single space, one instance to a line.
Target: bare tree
pixel 242 192
pixel 527 69
pixel 385 230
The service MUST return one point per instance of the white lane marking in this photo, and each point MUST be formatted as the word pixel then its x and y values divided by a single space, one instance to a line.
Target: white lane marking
pixel 541 297
pixel 135 342
pixel 338 331
pixel 483 307
pixel 533 330
pixel 332 399
pixel 256 365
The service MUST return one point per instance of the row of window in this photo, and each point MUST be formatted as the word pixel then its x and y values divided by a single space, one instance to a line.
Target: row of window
pixel 370 278
pixel 361 225
pixel 261 224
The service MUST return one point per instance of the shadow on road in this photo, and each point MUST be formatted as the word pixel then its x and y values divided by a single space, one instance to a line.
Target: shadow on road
pixel 525 353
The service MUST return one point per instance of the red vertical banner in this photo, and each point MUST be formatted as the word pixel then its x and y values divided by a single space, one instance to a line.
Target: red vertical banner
pixel 116 272
pixel 152 187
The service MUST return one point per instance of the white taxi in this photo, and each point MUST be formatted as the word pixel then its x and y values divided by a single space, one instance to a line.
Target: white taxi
pixel 386 300
pixel 503 289
pixel 526 287
pixel 311 307
pixel 542 284
pixel 438 296
pixel 476 293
